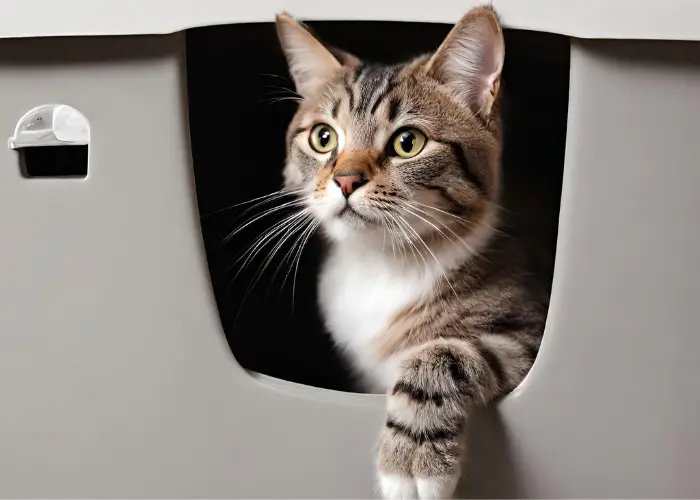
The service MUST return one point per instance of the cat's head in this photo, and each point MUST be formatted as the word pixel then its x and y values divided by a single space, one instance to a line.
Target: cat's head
pixel 409 150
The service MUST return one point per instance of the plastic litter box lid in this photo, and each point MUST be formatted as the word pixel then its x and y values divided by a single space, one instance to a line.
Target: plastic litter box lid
pixel 632 19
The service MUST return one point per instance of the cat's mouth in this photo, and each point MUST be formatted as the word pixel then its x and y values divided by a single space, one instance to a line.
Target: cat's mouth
pixel 351 214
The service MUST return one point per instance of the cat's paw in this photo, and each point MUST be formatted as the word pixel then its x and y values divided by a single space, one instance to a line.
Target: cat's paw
pixel 397 487
pixel 394 487
pixel 408 470
pixel 436 487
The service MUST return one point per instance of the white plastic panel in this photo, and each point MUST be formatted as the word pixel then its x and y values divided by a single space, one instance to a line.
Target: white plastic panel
pixel 116 380
pixel 115 377
pixel 650 19
pixel 611 408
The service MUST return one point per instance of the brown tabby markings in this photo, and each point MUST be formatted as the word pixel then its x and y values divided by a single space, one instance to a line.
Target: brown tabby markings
pixel 466 339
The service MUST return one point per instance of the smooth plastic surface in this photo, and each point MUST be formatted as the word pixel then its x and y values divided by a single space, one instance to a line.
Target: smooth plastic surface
pixel 51 125
pixel 632 19
pixel 611 408
pixel 116 380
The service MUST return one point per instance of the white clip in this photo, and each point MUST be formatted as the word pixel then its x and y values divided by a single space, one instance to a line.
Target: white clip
pixel 51 125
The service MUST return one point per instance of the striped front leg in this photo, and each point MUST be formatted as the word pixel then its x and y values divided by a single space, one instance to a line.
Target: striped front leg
pixel 422 443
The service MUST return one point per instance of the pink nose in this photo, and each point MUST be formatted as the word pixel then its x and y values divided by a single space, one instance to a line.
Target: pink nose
pixel 349 182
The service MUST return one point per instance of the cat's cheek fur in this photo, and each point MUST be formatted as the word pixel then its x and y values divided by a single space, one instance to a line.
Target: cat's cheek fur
pixel 293 178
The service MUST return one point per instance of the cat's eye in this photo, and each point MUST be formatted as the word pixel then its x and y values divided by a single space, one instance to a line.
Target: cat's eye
pixel 407 143
pixel 323 138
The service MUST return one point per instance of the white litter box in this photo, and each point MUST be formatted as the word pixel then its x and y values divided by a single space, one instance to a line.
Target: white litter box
pixel 116 377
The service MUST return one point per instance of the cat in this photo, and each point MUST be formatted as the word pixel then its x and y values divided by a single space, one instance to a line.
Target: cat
pixel 431 301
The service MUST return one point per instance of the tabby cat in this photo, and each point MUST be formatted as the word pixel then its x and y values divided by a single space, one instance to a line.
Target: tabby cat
pixel 400 166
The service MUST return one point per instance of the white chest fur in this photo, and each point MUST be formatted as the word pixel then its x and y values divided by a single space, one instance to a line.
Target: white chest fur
pixel 360 295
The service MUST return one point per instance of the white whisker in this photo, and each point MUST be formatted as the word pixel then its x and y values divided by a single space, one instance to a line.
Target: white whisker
pixel 293 229
pixel 459 239
pixel 414 249
pixel 310 231
pixel 266 198
pixel 445 212
pixel 465 222
pixel 442 271
pixel 260 216
pixel 266 237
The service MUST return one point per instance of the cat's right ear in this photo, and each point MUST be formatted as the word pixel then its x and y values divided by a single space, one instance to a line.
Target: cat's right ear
pixel 310 63
pixel 346 58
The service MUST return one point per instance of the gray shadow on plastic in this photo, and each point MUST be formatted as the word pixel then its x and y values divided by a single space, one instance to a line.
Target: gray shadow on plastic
pixel 489 468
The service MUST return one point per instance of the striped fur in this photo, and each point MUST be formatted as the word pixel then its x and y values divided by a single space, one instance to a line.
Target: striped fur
pixel 430 301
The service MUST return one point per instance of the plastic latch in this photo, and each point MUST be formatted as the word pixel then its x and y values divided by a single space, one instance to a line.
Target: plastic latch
pixel 51 125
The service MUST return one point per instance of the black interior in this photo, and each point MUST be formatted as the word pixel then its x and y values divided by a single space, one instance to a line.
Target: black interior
pixel 236 75
pixel 54 161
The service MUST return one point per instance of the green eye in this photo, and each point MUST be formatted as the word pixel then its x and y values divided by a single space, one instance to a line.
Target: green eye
pixel 323 138
pixel 408 143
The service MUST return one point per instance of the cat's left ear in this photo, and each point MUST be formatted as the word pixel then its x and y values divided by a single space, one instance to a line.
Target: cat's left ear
pixel 470 60
pixel 310 63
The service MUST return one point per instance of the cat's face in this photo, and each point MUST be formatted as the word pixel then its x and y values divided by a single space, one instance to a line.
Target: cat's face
pixel 410 150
